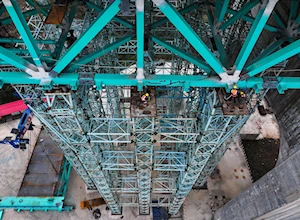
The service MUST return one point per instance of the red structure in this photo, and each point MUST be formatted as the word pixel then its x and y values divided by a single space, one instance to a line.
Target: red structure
pixel 12 107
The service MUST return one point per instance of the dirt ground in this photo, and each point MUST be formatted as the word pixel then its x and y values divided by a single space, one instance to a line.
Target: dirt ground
pixel 262 155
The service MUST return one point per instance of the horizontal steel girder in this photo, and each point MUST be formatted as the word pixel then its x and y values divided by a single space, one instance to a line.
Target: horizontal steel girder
pixel 100 80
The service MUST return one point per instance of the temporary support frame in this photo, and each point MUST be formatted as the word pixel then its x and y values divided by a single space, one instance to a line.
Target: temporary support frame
pixel 180 145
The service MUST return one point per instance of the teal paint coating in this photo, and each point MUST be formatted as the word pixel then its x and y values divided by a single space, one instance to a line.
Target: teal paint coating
pixel 21 25
pixel 99 23
pixel 279 20
pixel 184 11
pixel 34 203
pixel 15 60
pixel 217 38
pixel 23 51
pixel 266 52
pixel 218 9
pixel 223 10
pixel 26 14
pixel 64 178
pixel 182 54
pixel 63 37
pixel 11 40
pixel 293 10
pixel 253 35
pixel 106 49
pixel 185 29
pixel 130 80
pixel 244 10
pixel 251 20
pixel 273 59
pixel 140 32
pixel 117 19
pixel 2 9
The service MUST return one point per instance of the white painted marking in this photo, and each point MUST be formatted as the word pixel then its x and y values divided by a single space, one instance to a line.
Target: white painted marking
pixel 7 2
pixel 140 74
pixel 270 6
pixel 140 5
pixel 159 2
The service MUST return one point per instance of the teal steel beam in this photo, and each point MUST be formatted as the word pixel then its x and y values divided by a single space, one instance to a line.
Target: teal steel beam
pixel 99 23
pixel 183 11
pixel 185 29
pixel 63 36
pixel 293 10
pixel 64 178
pixel 2 9
pixel 254 33
pixel 271 60
pixel 218 9
pixel 106 49
pixel 297 20
pixel 217 37
pixel 223 10
pixel 279 20
pixel 13 40
pixel 26 14
pixel 251 20
pixel 23 51
pixel 182 54
pixel 140 32
pixel 15 13
pixel 101 80
pixel 244 10
pixel 41 8
pixel 17 62
pixel 34 203
pixel 270 49
pixel 116 18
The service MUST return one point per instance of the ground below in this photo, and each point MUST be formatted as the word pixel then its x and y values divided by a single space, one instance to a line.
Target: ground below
pixel 262 155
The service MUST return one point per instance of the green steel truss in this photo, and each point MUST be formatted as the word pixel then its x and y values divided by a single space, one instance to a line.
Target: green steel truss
pixel 186 50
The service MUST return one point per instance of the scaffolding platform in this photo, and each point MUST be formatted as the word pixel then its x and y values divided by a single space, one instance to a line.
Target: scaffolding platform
pixel 42 174
pixel 231 108
pixel 140 109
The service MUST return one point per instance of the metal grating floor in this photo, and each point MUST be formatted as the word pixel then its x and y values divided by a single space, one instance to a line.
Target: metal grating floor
pixel 43 169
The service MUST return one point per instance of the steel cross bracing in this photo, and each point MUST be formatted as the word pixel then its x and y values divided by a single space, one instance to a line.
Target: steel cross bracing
pixel 181 49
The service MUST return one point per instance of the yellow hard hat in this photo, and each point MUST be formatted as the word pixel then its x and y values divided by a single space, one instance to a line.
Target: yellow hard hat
pixel 235 87
pixel 242 93
pixel 147 94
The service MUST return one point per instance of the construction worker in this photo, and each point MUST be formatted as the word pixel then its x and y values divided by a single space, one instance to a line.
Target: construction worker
pixel 145 97
pixel 234 93
pixel 241 97
pixel 242 94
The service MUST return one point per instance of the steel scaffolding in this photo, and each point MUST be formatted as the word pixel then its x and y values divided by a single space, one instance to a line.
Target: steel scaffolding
pixel 84 80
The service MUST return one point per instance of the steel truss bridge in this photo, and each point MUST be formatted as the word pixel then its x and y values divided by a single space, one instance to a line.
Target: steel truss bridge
pixel 187 51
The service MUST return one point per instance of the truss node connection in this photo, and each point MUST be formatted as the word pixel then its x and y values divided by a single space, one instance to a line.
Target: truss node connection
pixel 84 79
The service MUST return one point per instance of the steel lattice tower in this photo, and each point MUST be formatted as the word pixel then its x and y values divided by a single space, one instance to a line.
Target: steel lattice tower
pixel 83 78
